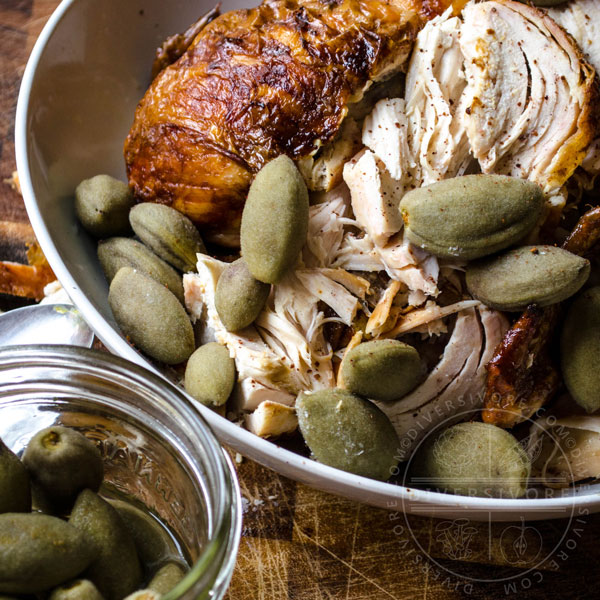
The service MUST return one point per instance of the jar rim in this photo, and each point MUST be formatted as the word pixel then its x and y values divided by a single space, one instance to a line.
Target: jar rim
pixel 213 567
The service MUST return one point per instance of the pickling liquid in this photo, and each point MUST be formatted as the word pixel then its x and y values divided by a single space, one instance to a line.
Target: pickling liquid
pixel 156 543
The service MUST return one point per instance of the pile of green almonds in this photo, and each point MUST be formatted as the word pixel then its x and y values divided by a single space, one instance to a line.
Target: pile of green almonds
pixel 75 545
pixel 342 427
pixel 146 289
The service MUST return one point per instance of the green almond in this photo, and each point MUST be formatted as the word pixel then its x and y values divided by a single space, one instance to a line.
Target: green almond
pixel 119 252
pixel 210 374
pixel 473 459
pixel 39 552
pixel 382 370
pixel 116 571
pixel 168 233
pixel 152 541
pixel 275 220
pixel 580 349
pixel 102 204
pixel 151 316
pixel 15 486
pixel 62 462
pixel 239 297
pixel 471 216
pixel 541 275
pixel 348 432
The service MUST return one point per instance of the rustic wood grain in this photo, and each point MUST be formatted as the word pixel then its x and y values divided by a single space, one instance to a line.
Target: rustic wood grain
pixel 302 544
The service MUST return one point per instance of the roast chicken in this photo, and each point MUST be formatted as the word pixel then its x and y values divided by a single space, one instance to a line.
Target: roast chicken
pixel 278 78
pixel 496 88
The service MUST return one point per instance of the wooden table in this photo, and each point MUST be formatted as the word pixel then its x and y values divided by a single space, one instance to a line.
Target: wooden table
pixel 303 544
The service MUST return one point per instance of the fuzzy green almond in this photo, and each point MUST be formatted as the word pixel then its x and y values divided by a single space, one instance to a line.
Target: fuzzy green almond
pixel 62 462
pixel 152 542
pixel 384 370
pixel 345 431
pixel 102 205
pixel 580 349
pixel 210 374
pixel 541 275
pixel 15 486
pixel 275 220
pixel 39 552
pixel 473 459
pixel 151 316
pixel 119 252
pixel 239 297
pixel 471 216
pixel 116 571
pixel 168 233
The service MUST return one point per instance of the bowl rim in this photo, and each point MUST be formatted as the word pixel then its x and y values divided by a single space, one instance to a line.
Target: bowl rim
pixel 269 454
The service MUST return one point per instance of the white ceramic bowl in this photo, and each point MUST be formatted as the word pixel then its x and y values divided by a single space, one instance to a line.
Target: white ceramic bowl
pixel 87 71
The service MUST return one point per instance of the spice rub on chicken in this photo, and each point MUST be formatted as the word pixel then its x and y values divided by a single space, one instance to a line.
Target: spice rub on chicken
pixel 275 79
pixel 581 19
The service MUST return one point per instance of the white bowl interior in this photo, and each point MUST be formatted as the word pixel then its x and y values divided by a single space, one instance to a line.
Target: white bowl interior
pixel 86 74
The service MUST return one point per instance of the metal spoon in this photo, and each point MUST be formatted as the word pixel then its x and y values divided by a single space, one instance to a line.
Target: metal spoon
pixel 45 324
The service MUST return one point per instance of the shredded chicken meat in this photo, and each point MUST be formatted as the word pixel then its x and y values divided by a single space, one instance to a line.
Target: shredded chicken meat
pixel 581 19
pixel 531 94
pixel 455 388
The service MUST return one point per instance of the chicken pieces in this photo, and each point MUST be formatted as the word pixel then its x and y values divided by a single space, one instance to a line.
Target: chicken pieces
pixel 581 19
pixel 257 83
pixel 454 389
pixel 532 95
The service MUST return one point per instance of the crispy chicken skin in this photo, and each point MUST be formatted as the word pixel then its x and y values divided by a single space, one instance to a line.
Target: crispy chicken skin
pixel 257 83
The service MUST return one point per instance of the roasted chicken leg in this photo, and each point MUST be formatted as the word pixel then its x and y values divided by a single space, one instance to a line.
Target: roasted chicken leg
pixel 278 78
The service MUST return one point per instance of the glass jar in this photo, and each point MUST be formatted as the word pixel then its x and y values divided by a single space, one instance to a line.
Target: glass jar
pixel 157 449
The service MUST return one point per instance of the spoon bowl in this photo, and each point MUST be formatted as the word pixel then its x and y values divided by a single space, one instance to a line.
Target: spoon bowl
pixel 45 324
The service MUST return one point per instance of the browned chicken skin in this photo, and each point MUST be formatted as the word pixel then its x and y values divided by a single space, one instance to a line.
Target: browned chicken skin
pixel 255 84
